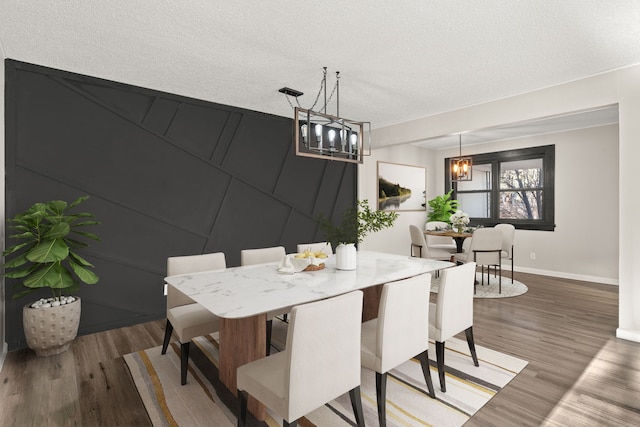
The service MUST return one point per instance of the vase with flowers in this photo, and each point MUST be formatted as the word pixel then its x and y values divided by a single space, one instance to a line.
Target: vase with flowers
pixel 459 220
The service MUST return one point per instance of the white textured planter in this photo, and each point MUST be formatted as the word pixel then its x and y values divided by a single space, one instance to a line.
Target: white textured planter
pixel 49 331
pixel 346 257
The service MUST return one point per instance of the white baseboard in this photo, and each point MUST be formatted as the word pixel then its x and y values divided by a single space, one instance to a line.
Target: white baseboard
pixel 628 335
pixel 564 275
pixel 3 356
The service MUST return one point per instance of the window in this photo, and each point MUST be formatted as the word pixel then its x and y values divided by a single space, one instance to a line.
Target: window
pixel 514 186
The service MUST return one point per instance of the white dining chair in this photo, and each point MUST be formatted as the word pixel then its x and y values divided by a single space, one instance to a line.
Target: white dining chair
pixel 185 317
pixel 321 362
pixel 261 256
pixel 399 333
pixel 452 312
pixel 484 250
pixel 420 249
pixel 439 242
pixel 508 236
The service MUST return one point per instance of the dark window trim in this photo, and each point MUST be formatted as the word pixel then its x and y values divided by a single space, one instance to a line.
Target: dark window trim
pixel 546 152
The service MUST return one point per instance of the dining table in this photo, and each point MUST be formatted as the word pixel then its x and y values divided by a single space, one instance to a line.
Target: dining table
pixel 458 237
pixel 242 296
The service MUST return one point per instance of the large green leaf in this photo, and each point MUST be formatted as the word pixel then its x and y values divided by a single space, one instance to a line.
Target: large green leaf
pixel 57 206
pixel 86 275
pixel 25 235
pixel 19 274
pixel 77 258
pixel 78 201
pixel 15 248
pixel 87 234
pixel 49 251
pixel 17 261
pixel 83 223
pixel 57 231
pixel 52 275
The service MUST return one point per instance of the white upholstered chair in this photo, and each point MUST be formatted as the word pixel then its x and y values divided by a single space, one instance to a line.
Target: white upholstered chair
pixel 439 242
pixel 321 361
pixel 419 247
pixel 184 316
pixel 400 333
pixel 316 247
pixel 260 256
pixel 453 312
pixel 485 249
pixel 508 235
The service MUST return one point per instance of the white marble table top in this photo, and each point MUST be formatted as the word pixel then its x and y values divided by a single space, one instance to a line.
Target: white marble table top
pixel 239 292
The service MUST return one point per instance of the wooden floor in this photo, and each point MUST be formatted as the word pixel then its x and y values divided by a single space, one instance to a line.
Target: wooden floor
pixel 579 374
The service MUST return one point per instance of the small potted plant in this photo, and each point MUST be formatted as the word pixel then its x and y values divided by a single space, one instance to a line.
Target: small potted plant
pixel 442 207
pixel 357 222
pixel 46 256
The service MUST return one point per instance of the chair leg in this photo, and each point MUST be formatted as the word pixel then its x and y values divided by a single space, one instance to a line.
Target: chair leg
pixel 512 264
pixel 243 396
pixel 168 330
pixel 440 363
pixel 356 403
pixel 500 278
pixel 424 362
pixel 269 329
pixel 381 397
pixel 472 347
pixel 184 361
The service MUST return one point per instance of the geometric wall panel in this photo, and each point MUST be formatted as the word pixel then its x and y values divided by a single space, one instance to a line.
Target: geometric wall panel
pixel 166 175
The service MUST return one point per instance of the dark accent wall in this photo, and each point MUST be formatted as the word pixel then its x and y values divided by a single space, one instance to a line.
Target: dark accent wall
pixel 166 175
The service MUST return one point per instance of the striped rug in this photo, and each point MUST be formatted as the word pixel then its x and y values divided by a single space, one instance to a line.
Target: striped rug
pixel 205 401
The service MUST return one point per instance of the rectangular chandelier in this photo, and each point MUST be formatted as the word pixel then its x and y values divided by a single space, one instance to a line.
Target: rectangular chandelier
pixel 329 137
pixel 460 168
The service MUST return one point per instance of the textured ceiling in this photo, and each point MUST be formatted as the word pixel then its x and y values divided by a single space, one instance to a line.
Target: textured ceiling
pixel 398 61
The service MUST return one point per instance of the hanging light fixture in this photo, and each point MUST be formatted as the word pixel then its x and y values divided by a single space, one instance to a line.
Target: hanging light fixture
pixel 321 135
pixel 460 166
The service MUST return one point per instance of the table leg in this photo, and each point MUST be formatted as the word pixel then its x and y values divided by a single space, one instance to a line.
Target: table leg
pixel 242 341
pixel 459 241
pixel 371 302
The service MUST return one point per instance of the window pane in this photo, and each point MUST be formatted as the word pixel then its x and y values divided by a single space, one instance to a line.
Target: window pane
pixel 521 204
pixel 481 179
pixel 521 174
pixel 477 205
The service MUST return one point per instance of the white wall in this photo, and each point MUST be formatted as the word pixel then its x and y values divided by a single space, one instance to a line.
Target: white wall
pixel 620 87
pixel 575 249
pixel 395 240
pixel 586 185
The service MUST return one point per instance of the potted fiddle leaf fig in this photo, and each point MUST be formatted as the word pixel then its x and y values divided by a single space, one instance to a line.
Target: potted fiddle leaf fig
pixel 442 207
pixel 357 222
pixel 48 237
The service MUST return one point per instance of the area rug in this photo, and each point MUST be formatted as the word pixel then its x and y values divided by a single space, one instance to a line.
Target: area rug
pixel 204 401
pixel 490 289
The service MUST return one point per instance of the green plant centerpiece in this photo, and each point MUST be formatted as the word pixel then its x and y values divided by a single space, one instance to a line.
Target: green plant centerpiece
pixel 357 222
pixel 49 237
pixel 442 207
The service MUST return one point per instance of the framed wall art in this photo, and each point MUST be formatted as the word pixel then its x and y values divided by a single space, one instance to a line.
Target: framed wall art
pixel 401 187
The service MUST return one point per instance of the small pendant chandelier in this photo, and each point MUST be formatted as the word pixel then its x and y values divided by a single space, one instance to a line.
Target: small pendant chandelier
pixel 460 167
